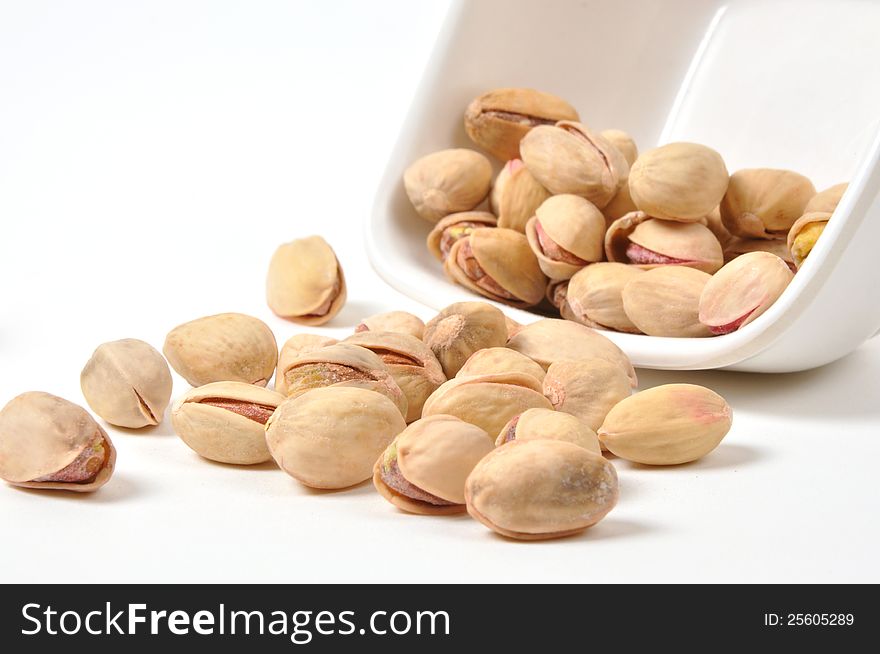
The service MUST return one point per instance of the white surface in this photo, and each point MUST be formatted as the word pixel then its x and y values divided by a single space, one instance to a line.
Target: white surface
pixel 152 157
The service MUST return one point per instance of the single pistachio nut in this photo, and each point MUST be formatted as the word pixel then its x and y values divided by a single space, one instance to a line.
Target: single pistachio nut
pixel 569 158
pixel 537 424
pixel 497 264
pixel 716 226
pixel 737 246
pixel 225 421
pixel 586 389
pixel 743 290
pixel 538 489
pixel 566 233
pixel 595 296
pixel 448 181
pixel 295 346
pixel 665 301
pixel 623 142
pixel 620 205
pixel 331 437
pixel 223 347
pixel 305 283
pixel 826 200
pixel 497 120
pixel 401 322
pixel 666 425
pixel 461 329
pixel 424 470
pixel 764 202
pixel 516 195
pixel 499 360
pixel 804 233
pixel 454 227
pixel 49 443
pixel 678 181
pixel 127 383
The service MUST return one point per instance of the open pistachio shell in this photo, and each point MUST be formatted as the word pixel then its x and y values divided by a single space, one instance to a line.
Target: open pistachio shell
pixel 461 329
pixel 453 227
pixel 595 296
pixel 537 424
pixel 516 195
pixel 620 205
pixel 587 389
pixel 305 283
pixel 49 443
pixel 764 202
pixel 401 322
pixel 557 296
pixel 295 346
pixel 566 233
pixel 737 246
pixel 804 233
pixel 623 142
pixel 499 360
pixel 447 182
pixel 665 301
pixel 826 200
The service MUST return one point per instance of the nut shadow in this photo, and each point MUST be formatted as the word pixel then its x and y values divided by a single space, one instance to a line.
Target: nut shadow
pixel 358 490
pixel 728 456
pixel 164 428
pixel 610 528
pixel 118 489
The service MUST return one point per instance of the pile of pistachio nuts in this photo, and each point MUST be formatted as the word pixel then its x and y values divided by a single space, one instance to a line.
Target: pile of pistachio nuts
pixel 579 224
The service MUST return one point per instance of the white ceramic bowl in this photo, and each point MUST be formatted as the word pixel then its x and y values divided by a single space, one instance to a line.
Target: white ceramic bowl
pixel 771 83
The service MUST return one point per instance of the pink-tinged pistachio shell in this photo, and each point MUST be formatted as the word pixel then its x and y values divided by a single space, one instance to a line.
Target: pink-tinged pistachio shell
pixel 461 329
pixel 738 246
pixel 620 205
pixel 305 283
pixel 623 142
pixel 804 233
pixel 499 119
pixel 512 326
pixel 743 290
pixel 538 424
pixel 331 437
pixel 498 264
pixel 595 296
pixel 448 181
pixel 716 226
pixel 539 489
pixel 587 389
pixel 424 470
pixel 764 202
pixel 667 425
pixel 665 301
pixel 295 346
pixel 516 195
pixel 569 158
pixel 400 322
pixel 49 443
pixel 826 200
pixel 224 347
pixel 454 227
pixel 566 233
pixel 500 360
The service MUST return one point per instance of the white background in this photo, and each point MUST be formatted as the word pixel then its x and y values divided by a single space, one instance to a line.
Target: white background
pixel 153 155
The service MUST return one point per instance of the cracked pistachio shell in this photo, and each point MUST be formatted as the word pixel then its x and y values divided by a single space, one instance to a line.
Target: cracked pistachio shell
pixel 400 322
pixel 804 233
pixel 620 205
pixel 461 329
pixel 826 200
pixel 549 340
pixel 305 283
pixel 49 443
pixel 538 424
pixel 666 425
pixel 569 158
pixel 225 421
pixel 516 195
pixel 678 181
pixel 411 363
pixel 454 227
pixel 436 455
pixel 764 202
pixel 623 142
pixel 595 296
pixel 448 181
pixel 487 401
pixel 587 389
pixel 557 296
pixel 538 489
pixel 498 264
pixel 665 301
pixel 223 347
pixel 127 383
pixel 737 246
pixel 295 346
pixel 742 290
pixel 499 360
pixel 566 233
pixel 499 119
pixel 331 437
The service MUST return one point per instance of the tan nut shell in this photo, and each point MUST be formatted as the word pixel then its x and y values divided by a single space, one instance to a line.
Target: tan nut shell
pixel 295 346
pixel 456 222
pixel 501 136
pixel 540 489
pixel 487 401
pixel 666 301
pixel 826 200
pixel 223 347
pixel 574 224
pixel 813 218
pixel 678 181
pixel 516 195
pixel 41 434
pixel 447 182
pixel 461 329
pixel 127 383
pixel 620 205
pixel 305 283
pixel 587 389
pixel 538 424
pixel 716 226
pixel 764 202
pixel 400 322
pixel 623 142
pixel 738 246
pixel 219 434
pixel 666 425
pixel 331 437
pixel 595 296
pixel 500 360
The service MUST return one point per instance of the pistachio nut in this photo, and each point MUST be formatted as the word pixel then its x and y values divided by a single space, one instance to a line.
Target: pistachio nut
pixel 620 205
pixel 49 443
pixel 716 226
pixel 569 158
pixel 537 424
pixel 742 290
pixel 826 200
pixel 225 421
pixel 461 329
pixel 425 468
pixel 764 202
pixel 498 119
pixel 557 296
pixel 512 326
pixel 666 425
pixel 487 401
pixel 223 347
pixel 516 195
pixel 295 346
pixel 401 322
pixel 587 388
pixel 498 264
pixel 595 296
pixel 647 242
pixel 804 233
pixel 127 383
pixel 305 283
pixel 499 360
pixel 448 181
pixel 678 181
pixel 566 233
pixel 538 489
pixel 737 246
pixel 453 227
pixel 665 301
pixel 623 142
pixel 331 437
pixel 411 363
